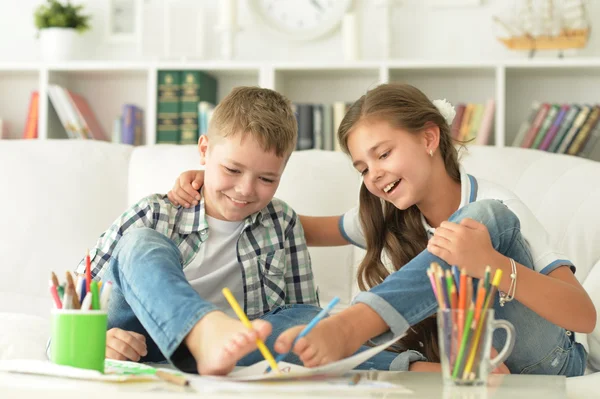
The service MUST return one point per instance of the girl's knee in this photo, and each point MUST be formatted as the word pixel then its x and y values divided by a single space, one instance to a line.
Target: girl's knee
pixel 488 212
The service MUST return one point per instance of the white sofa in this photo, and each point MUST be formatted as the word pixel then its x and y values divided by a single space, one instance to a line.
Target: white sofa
pixel 59 195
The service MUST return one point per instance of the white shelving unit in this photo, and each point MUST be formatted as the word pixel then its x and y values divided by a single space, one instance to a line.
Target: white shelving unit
pixel 107 85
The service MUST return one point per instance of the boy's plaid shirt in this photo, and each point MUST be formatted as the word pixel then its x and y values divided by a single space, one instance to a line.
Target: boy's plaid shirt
pixel 276 268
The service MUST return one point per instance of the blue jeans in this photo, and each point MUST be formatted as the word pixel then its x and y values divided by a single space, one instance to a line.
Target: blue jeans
pixel 151 296
pixel 405 298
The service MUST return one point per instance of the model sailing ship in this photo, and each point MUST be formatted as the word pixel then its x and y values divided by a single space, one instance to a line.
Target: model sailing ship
pixel 547 25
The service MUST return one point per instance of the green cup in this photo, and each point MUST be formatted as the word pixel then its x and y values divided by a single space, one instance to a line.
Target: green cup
pixel 79 338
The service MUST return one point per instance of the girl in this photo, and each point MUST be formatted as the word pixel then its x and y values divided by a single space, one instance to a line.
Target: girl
pixel 417 205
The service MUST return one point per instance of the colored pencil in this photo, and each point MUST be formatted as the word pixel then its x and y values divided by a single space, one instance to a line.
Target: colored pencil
pixel 88 271
pixel 244 319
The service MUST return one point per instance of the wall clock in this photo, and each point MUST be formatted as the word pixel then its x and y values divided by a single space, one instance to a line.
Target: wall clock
pixel 300 19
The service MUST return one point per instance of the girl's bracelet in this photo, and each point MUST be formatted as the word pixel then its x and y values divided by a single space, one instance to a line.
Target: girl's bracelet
pixel 510 294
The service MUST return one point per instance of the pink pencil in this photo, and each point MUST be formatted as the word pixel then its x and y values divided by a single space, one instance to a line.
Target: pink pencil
pixel 55 297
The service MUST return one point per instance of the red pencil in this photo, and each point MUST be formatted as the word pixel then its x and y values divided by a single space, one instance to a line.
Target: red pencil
pixel 88 271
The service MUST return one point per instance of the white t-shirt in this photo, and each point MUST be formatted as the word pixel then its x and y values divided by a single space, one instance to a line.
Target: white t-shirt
pixel 545 257
pixel 216 265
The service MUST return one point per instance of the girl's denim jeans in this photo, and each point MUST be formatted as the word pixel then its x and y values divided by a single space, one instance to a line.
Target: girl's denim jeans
pixel 405 298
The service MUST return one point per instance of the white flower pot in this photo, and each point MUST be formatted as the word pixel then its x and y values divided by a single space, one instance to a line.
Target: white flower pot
pixel 58 44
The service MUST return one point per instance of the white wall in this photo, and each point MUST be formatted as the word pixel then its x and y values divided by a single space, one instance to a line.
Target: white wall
pixel 419 32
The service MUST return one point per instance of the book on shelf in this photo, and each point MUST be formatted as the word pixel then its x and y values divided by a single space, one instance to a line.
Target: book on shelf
pixel 561 128
pixel 526 125
pixel 87 119
pixel 564 127
pixel 167 109
pixel 318 125
pixel 178 105
pixel 75 114
pixel 553 129
pixel 132 125
pixel 31 124
pixel 455 128
pixel 579 140
pixel 305 117
pixel 205 112
pixel 536 125
pixel 592 142
pixel 196 86
pixel 486 126
pixel 574 129
pixel 545 126
pixel 474 122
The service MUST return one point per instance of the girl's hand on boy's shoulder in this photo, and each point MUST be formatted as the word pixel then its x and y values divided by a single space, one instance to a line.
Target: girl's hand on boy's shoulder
pixel 125 345
pixel 466 244
pixel 185 190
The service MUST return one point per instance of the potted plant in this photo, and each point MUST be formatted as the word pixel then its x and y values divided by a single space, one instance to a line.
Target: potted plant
pixel 57 26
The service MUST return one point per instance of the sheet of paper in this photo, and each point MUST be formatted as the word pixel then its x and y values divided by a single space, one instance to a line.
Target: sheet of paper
pixel 256 372
pixel 313 385
pixel 43 367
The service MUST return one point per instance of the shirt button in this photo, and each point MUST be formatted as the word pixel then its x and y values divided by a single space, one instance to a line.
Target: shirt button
pixel 569 333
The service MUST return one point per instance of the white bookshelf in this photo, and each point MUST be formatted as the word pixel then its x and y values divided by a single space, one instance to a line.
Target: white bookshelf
pixel 107 85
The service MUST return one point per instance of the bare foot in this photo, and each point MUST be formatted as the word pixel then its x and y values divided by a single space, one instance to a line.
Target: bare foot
pixel 217 342
pixel 325 343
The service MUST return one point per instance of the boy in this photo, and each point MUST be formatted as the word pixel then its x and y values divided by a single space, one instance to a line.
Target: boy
pixel 168 264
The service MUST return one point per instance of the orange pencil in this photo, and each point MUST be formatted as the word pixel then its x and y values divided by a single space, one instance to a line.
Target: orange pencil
pixel 481 291
pixel 88 271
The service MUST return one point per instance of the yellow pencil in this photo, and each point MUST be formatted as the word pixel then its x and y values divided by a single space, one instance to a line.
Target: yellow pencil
pixel 488 303
pixel 244 319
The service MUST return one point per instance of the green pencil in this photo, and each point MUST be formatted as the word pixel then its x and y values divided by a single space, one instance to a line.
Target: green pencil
pixel 95 295
pixel 463 344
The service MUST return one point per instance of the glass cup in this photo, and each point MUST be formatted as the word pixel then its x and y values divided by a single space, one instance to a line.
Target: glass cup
pixel 465 342
pixel 79 338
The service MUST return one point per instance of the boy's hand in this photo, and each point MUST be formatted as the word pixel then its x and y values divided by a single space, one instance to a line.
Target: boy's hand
pixel 125 345
pixel 185 190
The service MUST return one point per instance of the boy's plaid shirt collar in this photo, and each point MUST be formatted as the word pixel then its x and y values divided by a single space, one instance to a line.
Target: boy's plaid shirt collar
pixel 276 267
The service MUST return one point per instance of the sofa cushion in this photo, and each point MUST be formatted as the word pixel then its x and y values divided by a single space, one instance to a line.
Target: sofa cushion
pixel 58 196
pixel 23 336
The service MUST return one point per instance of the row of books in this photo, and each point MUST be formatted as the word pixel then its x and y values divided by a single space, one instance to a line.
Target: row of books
pixel 562 128
pixel 318 125
pixel 474 122
pixel 183 97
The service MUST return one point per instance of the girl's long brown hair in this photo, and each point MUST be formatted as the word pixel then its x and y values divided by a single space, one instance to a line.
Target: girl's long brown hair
pixel 388 230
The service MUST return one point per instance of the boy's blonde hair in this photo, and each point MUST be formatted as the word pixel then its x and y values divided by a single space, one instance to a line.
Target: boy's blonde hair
pixel 262 113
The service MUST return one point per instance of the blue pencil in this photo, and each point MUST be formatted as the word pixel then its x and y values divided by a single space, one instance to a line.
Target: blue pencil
pixel 309 327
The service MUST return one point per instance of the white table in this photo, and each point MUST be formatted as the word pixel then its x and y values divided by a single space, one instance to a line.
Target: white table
pixel 423 385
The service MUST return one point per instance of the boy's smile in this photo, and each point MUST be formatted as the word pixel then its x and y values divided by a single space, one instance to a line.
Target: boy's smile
pixel 240 177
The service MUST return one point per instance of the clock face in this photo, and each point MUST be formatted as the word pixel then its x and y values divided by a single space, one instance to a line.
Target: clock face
pixel 301 19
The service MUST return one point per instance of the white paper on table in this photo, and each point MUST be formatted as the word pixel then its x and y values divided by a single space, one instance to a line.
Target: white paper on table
pixel 44 367
pixel 256 372
pixel 320 385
